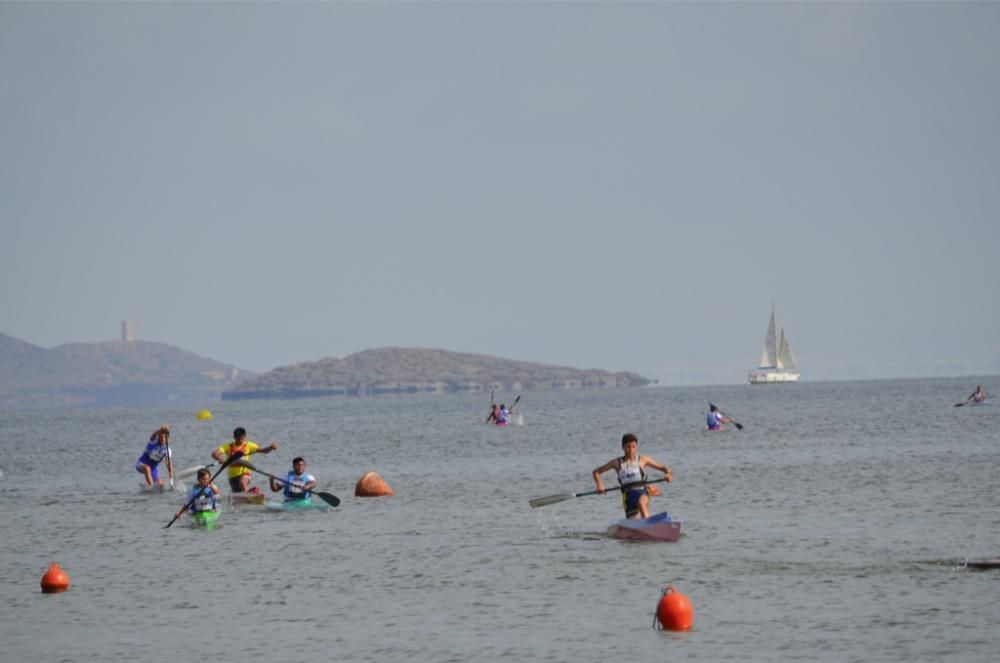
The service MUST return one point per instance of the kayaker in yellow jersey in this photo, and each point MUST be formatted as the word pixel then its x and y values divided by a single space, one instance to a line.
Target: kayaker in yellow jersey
pixel 239 477
pixel 631 472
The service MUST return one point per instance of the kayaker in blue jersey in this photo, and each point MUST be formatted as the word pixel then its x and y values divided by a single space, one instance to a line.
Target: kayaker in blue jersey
pixel 716 419
pixel 632 477
pixel 155 452
pixel 202 495
pixel 297 484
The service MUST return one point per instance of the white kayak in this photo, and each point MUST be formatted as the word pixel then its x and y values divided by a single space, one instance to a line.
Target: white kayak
pixel 655 528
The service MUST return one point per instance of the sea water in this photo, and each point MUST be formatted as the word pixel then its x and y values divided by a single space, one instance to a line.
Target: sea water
pixel 834 527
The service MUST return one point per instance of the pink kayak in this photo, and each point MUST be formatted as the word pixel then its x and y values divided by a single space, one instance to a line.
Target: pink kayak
pixel 655 528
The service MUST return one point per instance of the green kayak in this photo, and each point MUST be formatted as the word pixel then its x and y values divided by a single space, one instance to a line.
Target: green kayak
pixel 298 505
pixel 204 519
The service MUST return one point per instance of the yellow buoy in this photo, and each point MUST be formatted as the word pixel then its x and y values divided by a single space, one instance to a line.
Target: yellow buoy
pixel 203 415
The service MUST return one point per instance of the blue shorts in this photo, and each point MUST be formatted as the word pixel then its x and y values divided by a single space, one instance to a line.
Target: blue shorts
pixel 630 501
pixel 139 467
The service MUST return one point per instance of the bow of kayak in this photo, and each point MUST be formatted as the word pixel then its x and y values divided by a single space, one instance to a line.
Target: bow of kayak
pixel 204 519
pixel 655 528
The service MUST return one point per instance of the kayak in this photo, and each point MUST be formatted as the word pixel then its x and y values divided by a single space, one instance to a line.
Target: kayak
pixel 976 403
pixel 247 499
pixel 655 528
pixel 204 519
pixel 983 564
pixel 298 505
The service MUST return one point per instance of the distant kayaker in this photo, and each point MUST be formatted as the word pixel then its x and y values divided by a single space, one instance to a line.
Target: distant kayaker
pixel 716 419
pixel 494 414
pixel 157 449
pixel 978 396
pixel 202 494
pixel 632 477
pixel 297 484
pixel 239 477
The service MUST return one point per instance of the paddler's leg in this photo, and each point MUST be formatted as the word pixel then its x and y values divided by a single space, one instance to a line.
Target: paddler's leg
pixel 144 470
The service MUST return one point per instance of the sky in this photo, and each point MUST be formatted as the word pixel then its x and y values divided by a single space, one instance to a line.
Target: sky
pixel 626 186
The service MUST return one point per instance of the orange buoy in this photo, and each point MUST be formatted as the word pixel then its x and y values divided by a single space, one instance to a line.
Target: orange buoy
pixel 674 612
pixel 55 580
pixel 372 485
pixel 653 490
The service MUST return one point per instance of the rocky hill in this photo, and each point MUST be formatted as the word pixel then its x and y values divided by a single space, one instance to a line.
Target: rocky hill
pixel 413 370
pixel 112 373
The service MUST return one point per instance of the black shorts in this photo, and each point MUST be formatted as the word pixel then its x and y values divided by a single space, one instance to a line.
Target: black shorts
pixel 235 485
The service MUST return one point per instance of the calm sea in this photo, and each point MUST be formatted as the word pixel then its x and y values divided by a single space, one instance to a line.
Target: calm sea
pixel 833 528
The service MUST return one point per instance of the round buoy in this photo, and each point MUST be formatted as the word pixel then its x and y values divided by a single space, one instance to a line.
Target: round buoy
pixel 372 485
pixel 653 490
pixel 203 415
pixel 55 580
pixel 674 612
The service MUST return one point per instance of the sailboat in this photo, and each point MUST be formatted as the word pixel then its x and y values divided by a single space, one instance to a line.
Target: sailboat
pixel 777 362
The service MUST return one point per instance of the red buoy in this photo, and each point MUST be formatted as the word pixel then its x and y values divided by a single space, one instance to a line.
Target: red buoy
pixel 55 580
pixel 674 612
pixel 372 485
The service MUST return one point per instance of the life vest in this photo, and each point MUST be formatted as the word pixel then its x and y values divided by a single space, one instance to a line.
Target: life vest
pixel 203 499
pixel 293 486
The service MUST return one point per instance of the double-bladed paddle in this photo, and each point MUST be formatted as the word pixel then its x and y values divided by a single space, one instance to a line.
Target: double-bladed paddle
pixel 329 498
pixel 562 497
pixel 187 506
pixel 738 425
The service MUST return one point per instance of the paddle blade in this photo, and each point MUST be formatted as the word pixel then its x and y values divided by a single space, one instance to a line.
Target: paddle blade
pixel 550 499
pixel 738 426
pixel 959 404
pixel 329 498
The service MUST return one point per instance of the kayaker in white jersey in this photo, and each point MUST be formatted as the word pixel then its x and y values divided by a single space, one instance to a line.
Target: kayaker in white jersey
pixel 157 449
pixel 716 419
pixel 632 477
pixel 978 396
pixel 297 484
pixel 202 495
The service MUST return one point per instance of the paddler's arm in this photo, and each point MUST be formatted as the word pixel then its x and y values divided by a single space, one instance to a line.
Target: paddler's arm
pixel 646 461
pixel 219 455
pixel 611 464
pixel 268 449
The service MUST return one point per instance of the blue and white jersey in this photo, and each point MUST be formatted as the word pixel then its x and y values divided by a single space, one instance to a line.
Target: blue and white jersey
pixel 714 420
pixel 503 416
pixel 155 452
pixel 293 486
pixel 202 498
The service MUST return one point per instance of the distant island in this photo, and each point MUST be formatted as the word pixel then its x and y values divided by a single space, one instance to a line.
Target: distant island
pixel 126 372
pixel 129 372
pixel 420 370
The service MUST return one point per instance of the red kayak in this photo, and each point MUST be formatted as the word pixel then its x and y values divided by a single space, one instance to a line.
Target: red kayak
pixel 655 528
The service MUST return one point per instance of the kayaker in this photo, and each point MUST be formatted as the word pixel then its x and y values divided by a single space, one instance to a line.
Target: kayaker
pixel 716 419
pixel 297 484
pixel 157 449
pixel 494 414
pixel 203 493
pixel 632 477
pixel 978 396
pixel 239 477
pixel 503 416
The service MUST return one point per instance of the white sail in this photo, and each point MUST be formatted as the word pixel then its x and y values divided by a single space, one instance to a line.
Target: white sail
pixel 777 361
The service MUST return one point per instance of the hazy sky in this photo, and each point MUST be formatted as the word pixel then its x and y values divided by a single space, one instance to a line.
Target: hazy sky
pixel 616 185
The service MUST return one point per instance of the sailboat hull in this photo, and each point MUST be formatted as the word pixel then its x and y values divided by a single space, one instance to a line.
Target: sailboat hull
pixel 771 377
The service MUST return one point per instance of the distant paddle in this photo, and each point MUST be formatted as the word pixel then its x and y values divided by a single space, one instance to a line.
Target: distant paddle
pixel 329 498
pixel 562 497
pixel 187 506
pixel 738 425
pixel 191 471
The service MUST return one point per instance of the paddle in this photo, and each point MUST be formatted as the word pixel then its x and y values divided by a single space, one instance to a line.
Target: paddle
pixel 191 471
pixel 492 403
pixel 170 464
pixel 562 497
pixel 516 401
pixel 329 498
pixel 224 465
pixel 738 425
